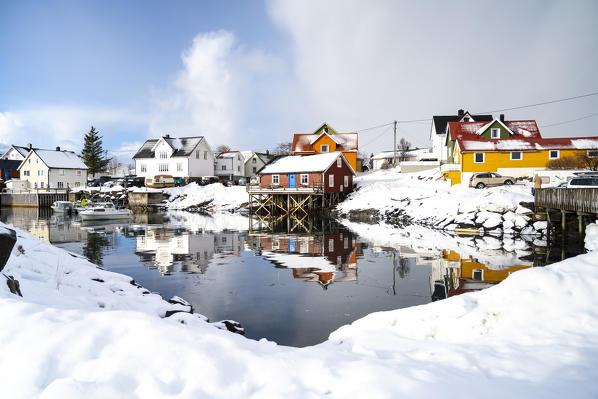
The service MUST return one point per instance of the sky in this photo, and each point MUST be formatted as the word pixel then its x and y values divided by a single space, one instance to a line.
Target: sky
pixel 249 74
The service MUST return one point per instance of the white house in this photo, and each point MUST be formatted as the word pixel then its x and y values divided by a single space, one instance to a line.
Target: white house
pixel 254 161
pixel 178 157
pixel 438 130
pixel 16 153
pixel 230 165
pixel 44 169
pixel 425 156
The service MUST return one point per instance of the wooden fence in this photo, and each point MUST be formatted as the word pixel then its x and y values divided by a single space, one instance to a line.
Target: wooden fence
pixel 568 199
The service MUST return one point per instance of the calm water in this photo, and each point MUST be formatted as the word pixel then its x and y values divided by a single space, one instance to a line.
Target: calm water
pixel 292 288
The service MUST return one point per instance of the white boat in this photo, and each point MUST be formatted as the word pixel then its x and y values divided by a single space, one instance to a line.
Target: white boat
pixel 105 211
pixel 62 206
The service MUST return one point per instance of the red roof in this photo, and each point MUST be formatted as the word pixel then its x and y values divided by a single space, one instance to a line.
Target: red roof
pixel 469 130
pixel 345 142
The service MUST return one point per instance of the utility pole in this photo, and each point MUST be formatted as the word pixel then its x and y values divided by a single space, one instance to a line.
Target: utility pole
pixel 394 147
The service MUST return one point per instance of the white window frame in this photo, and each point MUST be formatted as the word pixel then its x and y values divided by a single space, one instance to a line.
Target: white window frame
pixel 473 272
pixel 306 177
pixel 41 184
pixel 254 170
pixel 179 167
pixel 61 172
pixel 346 181
pixel 163 167
pixel 495 130
pixel 223 167
pixel 516 152
pixel 558 154
pixel 78 173
pixel 197 154
pixel 330 180
pixel 142 168
pixel 205 155
pixel 339 162
pixel 254 160
pixel 322 146
pixel 594 155
pixel 60 184
pixel 331 245
pixel 163 155
pixel 275 179
pixel 483 157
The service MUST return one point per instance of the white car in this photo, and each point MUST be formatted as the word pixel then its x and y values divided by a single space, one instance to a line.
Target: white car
pixel 583 182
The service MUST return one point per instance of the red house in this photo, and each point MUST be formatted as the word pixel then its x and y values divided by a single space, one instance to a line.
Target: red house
pixel 329 172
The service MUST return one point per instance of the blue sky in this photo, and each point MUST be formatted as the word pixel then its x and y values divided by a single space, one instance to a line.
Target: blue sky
pixel 249 74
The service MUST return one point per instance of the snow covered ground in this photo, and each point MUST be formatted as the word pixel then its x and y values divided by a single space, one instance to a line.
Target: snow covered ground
pixel 72 336
pixel 433 202
pixel 220 197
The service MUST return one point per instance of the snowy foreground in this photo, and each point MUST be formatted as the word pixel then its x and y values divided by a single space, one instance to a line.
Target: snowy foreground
pixel 433 202
pixel 72 336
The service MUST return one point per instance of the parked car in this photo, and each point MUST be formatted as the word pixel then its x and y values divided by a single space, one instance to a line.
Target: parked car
pixel 179 181
pixel 160 181
pixel 134 181
pixel 486 179
pixel 561 185
pixel 583 182
pixel 205 180
pixel 98 182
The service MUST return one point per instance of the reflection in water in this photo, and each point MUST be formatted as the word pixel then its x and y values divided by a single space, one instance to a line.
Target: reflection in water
pixel 94 248
pixel 321 258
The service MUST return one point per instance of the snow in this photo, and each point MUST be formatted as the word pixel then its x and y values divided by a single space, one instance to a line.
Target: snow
pixel 583 144
pixel 60 159
pixel 219 196
pixel 302 163
pixel 57 342
pixel 591 240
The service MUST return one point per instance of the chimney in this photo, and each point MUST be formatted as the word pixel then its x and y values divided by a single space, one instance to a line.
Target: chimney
pixel 29 146
pixel 57 148
pixel 460 112
pixel 502 117
pixel 167 136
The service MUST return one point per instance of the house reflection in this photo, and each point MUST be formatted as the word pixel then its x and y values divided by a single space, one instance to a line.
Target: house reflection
pixel 176 250
pixel 323 258
pixel 453 274
pixel 43 224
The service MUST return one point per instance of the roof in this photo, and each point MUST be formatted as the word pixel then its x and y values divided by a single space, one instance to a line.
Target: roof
pixel 183 146
pixel 530 144
pixel 21 150
pixel 472 130
pixel 303 163
pixel 11 164
pixel 345 141
pixel 60 159
pixel 228 154
pixel 440 121
pixel 386 154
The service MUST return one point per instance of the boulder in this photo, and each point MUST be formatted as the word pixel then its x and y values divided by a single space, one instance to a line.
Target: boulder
pixel 8 239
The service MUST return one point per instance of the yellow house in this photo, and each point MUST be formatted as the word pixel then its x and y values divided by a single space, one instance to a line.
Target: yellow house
pixel 326 139
pixel 512 148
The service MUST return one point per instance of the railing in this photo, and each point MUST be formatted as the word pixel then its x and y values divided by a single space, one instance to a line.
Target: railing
pixel 318 188
pixel 568 199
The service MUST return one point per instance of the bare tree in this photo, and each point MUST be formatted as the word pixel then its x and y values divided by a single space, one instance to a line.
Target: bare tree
pixel 284 148
pixel 403 147
pixel 222 148
pixel 588 162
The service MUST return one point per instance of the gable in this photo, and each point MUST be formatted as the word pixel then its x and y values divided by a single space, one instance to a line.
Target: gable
pixel 486 131
pixel 325 128
pixel 324 139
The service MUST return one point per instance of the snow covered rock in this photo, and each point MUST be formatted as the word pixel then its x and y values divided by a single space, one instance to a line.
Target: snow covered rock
pixel 591 239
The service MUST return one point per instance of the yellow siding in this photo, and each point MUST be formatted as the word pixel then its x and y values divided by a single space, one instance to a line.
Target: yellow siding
pixel 490 275
pixel 352 159
pixel 453 175
pixel 350 155
pixel 495 160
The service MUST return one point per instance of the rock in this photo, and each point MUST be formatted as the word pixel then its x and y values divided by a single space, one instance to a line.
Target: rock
pixel 498 208
pixel 8 238
pixel 529 230
pixel 528 205
pixel 230 325
pixel 509 216
pixel 521 221
pixel 540 226
pixel 508 224
pixel 492 221
pixel 522 210
pixel 13 285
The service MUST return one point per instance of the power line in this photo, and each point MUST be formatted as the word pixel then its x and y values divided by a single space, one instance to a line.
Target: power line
pixel 569 121
pixel 374 127
pixel 542 103
pixel 376 138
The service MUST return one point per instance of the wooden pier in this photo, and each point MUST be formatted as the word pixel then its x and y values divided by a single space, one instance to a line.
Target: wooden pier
pixel 580 201
pixel 33 199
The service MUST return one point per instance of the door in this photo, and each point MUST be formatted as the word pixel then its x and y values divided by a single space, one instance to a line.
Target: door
pixel 292 180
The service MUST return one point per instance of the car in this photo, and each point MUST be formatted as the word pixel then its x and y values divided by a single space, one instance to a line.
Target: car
pixel 561 185
pixel 179 181
pixel 99 181
pixel 160 181
pixel 486 179
pixel 583 182
pixel 135 181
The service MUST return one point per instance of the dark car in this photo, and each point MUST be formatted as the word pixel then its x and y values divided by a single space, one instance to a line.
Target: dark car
pixel 99 182
pixel 134 181
pixel 179 181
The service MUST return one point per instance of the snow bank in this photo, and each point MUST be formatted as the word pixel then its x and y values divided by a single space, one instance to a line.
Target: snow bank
pixel 591 240
pixel 534 335
pixel 433 202
pixel 219 196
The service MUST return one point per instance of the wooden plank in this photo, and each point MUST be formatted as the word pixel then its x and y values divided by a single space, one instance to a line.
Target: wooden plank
pixel 568 199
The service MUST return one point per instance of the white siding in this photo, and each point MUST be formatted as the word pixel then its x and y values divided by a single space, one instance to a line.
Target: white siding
pixel 204 165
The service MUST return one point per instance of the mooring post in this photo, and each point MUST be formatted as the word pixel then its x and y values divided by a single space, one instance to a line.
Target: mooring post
pixel 579 223
pixel 563 221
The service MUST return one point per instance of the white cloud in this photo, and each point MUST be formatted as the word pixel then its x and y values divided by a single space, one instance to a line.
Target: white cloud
pixel 214 92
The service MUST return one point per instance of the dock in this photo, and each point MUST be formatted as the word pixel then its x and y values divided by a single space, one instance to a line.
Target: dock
pixel 580 201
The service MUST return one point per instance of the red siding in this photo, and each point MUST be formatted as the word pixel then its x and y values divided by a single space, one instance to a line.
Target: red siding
pixel 283 179
pixel 339 174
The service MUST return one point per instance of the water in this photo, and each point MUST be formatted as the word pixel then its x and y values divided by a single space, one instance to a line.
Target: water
pixel 292 288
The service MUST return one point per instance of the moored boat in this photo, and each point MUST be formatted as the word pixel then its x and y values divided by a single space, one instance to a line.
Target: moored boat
pixel 105 211
pixel 62 206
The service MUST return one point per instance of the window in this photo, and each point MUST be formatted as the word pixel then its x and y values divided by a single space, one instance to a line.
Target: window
pixel 223 167
pixel 275 179
pixel 477 274
pixel 324 148
pixel 60 184
pixel 41 185
pixel 346 181
pixel 304 179
pixel 478 157
pixel 163 155
pixel 516 156
pixel 254 160
pixel 77 184
pixel 179 167
pixel 330 180
pixel 78 173
pixel 61 172
pixel 238 168
pixel 346 242
pixel 331 244
pixel 35 185
pixel 339 162
pixel 554 154
pixel 29 160
pixel 163 167
pixel 592 153
pixel 495 133
pixel 197 154
pixel 254 169
pixel 26 173
pixel 40 172
pixel 205 155
pixel 143 167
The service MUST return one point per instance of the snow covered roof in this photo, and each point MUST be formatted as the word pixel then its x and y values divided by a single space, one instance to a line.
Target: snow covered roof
pixel 344 141
pixel 530 144
pixel 303 163
pixel 60 159
pixel 385 155
pixel 467 130
pixel 183 146
pixel 229 154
